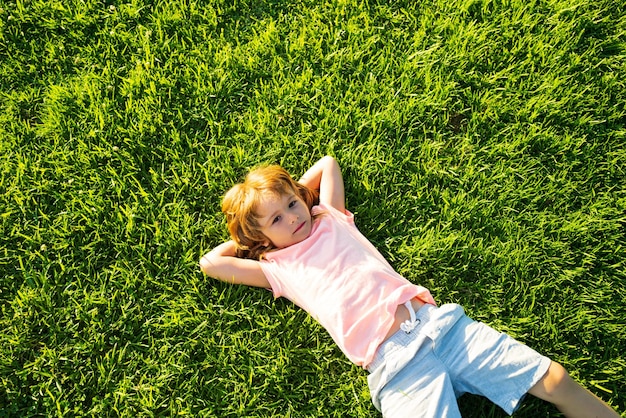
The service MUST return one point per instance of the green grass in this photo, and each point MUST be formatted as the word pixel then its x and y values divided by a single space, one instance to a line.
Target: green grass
pixel 483 148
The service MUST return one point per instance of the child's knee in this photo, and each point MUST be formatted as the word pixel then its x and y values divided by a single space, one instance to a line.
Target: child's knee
pixel 557 379
pixel 555 384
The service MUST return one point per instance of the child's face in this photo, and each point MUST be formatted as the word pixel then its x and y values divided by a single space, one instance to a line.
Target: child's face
pixel 285 220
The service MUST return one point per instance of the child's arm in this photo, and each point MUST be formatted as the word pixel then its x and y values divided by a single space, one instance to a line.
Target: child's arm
pixel 222 264
pixel 325 176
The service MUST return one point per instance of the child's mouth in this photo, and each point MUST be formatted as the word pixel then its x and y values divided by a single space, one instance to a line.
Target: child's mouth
pixel 299 227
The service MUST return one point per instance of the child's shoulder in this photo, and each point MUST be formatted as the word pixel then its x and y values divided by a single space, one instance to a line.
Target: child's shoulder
pixel 335 213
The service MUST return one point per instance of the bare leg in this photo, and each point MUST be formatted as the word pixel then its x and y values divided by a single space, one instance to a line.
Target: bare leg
pixel 573 400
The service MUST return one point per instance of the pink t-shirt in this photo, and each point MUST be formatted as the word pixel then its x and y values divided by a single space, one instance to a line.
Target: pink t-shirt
pixel 340 279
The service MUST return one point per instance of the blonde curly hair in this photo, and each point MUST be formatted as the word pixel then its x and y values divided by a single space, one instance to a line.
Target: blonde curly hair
pixel 241 202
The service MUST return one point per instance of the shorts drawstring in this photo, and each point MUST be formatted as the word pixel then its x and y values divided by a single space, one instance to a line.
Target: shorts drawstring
pixel 410 324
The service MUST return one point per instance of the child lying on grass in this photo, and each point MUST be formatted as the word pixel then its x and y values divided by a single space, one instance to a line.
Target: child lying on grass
pixel 298 239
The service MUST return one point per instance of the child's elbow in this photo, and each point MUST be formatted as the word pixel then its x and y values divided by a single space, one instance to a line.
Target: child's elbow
pixel 329 159
pixel 205 265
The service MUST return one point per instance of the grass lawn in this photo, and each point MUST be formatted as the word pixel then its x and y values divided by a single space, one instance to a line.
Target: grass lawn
pixel 483 145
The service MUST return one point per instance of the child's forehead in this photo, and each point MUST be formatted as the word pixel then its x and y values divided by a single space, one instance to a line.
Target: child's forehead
pixel 269 201
pixel 270 197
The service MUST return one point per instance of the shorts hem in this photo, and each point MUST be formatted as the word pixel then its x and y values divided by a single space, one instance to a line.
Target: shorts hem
pixel 540 372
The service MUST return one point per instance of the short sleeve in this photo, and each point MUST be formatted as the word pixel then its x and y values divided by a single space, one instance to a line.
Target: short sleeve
pixel 268 267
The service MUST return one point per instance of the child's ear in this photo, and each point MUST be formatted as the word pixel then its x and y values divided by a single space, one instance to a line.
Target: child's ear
pixel 266 241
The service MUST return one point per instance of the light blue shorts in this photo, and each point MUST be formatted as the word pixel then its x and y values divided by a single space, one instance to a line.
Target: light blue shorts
pixel 447 354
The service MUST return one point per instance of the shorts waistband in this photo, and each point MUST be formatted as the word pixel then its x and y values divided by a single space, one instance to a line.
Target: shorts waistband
pixel 402 337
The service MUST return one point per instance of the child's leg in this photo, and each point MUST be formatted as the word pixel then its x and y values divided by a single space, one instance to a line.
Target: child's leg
pixel 568 396
pixel 421 389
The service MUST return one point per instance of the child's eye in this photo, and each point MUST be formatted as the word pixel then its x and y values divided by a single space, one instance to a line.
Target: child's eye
pixel 292 204
pixel 276 219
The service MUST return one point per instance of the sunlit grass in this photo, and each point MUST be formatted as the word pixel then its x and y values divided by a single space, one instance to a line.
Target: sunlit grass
pixel 483 151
